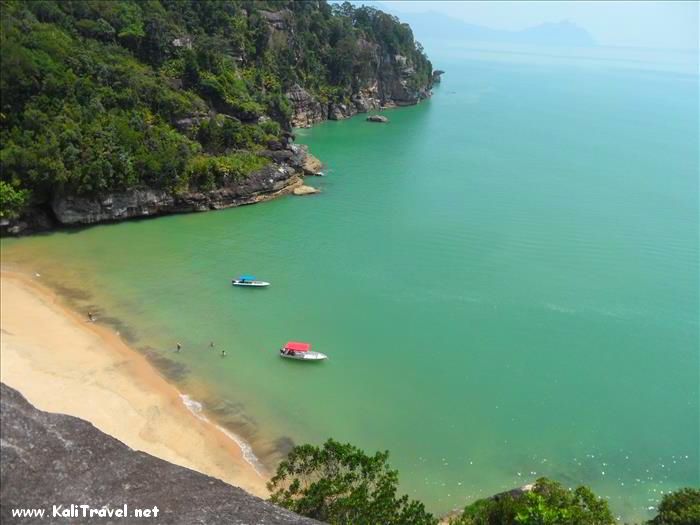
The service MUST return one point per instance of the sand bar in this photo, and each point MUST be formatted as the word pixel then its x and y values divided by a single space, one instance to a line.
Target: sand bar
pixel 63 363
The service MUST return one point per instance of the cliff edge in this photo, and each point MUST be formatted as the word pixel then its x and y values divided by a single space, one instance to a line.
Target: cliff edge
pixel 53 459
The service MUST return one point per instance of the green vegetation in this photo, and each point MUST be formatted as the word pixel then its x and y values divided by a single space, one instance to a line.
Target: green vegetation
pixel 548 503
pixel 100 95
pixel 681 507
pixel 341 485
pixel 207 171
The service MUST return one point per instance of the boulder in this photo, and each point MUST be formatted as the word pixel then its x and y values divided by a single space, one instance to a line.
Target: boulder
pixel 341 111
pixel 365 101
pixel 305 190
pixel 187 124
pixel 377 118
pixel 311 165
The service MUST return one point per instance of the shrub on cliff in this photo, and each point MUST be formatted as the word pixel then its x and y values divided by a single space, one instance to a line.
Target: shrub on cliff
pixel 11 200
pixel 681 507
pixel 340 484
pixel 206 172
pixel 548 503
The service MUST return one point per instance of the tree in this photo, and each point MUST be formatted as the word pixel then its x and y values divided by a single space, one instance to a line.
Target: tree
pixel 340 484
pixel 547 503
pixel 681 507
pixel 11 200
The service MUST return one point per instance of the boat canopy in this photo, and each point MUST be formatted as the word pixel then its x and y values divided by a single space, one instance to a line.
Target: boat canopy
pixel 297 347
pixel 246 278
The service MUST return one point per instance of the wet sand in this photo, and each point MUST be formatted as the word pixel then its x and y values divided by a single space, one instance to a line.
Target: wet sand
pixel 63 363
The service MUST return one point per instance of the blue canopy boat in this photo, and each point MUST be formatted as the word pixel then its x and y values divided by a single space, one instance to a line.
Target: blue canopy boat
pixel 249 280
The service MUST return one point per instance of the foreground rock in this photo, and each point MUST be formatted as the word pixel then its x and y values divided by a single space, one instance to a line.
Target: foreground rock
pixel 377 118
pixel 51 459
pixel 306 190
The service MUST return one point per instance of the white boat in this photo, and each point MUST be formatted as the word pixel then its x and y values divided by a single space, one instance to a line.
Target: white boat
pixel 301 352
pixel 248 280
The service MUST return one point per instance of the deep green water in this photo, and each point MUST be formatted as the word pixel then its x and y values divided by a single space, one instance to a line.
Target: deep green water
pixel 505 278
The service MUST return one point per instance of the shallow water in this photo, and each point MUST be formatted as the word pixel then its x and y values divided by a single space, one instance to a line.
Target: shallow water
pixel 505 278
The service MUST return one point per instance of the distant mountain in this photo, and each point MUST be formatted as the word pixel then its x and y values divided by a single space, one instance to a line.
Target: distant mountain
pixel 438 26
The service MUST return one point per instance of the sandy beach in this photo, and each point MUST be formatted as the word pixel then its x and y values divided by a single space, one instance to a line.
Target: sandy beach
pixel 63 363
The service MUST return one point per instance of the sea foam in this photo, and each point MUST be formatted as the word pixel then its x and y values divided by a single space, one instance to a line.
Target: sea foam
pixel 197 409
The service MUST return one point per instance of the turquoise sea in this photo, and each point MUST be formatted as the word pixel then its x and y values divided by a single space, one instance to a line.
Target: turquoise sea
pixel 505 278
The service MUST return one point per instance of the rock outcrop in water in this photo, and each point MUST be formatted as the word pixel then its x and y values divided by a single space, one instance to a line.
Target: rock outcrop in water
pixel 306 190
pixel 52 459
pixel 378 118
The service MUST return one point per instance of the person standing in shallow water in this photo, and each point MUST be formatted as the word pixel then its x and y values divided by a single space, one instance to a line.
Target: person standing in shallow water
pixel 211 345
pixel 178 347
pixel 223 353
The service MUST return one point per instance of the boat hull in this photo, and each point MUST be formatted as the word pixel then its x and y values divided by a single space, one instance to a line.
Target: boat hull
pixel 305 356
pixel 250 284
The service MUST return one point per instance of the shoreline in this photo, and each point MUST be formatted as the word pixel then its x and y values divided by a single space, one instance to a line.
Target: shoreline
pixel 75 367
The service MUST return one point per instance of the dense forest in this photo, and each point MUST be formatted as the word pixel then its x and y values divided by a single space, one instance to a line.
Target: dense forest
pixel 105 95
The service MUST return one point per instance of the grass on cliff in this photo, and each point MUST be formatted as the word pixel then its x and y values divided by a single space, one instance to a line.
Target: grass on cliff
pixel 206 172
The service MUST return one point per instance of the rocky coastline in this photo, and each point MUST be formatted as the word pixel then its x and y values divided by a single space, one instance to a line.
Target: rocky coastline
pixel 289 164
pixel 390 87
pixel 210 103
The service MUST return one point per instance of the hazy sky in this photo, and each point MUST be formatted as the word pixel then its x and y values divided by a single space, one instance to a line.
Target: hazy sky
pixel 658 24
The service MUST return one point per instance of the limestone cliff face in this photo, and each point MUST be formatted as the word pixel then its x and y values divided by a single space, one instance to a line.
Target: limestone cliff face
pixel 53 459
pixel 269 182
pixel 391 83
pixel 306 109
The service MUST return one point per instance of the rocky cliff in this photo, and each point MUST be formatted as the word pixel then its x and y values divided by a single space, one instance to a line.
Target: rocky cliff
pixel 287 167
pixel 277 178
pixel 130 109
pixel 390 84
pixel 53 459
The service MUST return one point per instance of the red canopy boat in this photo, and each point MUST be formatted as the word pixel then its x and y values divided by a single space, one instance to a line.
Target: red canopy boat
pixel 301 351
pixel 298 347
